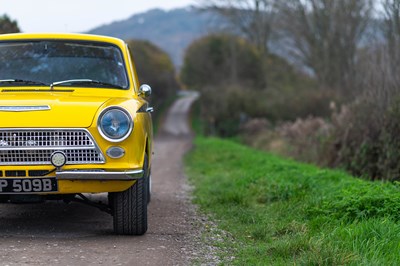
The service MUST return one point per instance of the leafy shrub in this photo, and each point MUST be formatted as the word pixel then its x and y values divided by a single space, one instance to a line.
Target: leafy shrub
pixel 222 108
pixel 222 59
pixel 277 104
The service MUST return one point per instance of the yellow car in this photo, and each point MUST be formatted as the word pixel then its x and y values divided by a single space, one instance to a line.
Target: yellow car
pixel 74 120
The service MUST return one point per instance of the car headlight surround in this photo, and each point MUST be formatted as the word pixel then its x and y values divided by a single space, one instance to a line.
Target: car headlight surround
pixel 115 124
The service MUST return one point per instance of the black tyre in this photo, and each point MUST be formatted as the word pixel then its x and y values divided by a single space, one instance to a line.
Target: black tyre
pixel 148 181
pixel 129 207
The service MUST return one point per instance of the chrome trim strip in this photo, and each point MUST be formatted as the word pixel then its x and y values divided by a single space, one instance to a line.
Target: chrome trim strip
pixel 27 108
pixel 131 174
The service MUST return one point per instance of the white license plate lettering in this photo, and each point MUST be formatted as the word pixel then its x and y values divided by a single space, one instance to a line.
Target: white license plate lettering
pixel 37 185
pixel 46 185
pixel 3 184
pixel 17 187
pixel 28 185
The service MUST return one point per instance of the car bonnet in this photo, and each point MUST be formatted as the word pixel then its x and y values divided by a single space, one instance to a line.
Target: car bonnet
pixel 48 109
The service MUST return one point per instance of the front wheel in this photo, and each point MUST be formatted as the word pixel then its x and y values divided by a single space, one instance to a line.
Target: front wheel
pixel 129 207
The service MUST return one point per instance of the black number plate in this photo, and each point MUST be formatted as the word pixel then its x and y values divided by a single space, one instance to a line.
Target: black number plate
pixel 27 185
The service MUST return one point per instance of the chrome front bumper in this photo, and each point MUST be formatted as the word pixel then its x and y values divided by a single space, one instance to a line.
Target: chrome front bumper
pixel 126 175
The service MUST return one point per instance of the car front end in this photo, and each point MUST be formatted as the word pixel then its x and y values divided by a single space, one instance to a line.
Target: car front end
pixel 73 120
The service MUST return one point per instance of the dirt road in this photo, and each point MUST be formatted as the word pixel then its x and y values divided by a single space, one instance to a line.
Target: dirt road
pixel 58 234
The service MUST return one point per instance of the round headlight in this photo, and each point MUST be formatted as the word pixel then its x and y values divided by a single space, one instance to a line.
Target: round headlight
pixel 115 124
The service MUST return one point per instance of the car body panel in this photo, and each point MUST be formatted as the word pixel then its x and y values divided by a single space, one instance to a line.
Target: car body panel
pixel 92 186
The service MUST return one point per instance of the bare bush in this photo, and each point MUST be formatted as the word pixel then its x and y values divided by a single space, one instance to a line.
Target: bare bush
pixel 304 139
pixel 255 126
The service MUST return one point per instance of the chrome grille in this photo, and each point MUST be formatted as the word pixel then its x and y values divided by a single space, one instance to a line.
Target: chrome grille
pixel 32 146
pixel 47 138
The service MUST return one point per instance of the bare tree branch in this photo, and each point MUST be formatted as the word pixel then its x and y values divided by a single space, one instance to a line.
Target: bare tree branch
pixel 253 18
pixel 391 29
pixel 326 35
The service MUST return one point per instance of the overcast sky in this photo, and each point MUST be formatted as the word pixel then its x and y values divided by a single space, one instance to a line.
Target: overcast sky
pixel 77 15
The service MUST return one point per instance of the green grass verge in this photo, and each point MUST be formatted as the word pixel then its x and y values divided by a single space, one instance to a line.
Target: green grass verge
pixel 281 212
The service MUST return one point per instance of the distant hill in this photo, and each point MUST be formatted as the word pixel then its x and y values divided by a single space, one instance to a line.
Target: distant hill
pixel 172 30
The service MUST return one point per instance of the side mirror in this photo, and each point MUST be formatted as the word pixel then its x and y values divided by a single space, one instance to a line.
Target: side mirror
pixel 145 90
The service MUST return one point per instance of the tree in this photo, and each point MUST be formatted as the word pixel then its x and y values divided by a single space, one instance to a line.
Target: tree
pixel 222 59
pixel 379 61
pixel 155 68
pixel 325 35
pixel 391 28
pixel 253 18
pixel 7 25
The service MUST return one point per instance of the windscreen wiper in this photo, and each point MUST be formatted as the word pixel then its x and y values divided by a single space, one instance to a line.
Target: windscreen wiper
pixel 23 81
pixel 84 81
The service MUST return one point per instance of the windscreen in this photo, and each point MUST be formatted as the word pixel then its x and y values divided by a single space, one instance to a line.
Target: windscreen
pixel 52 61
